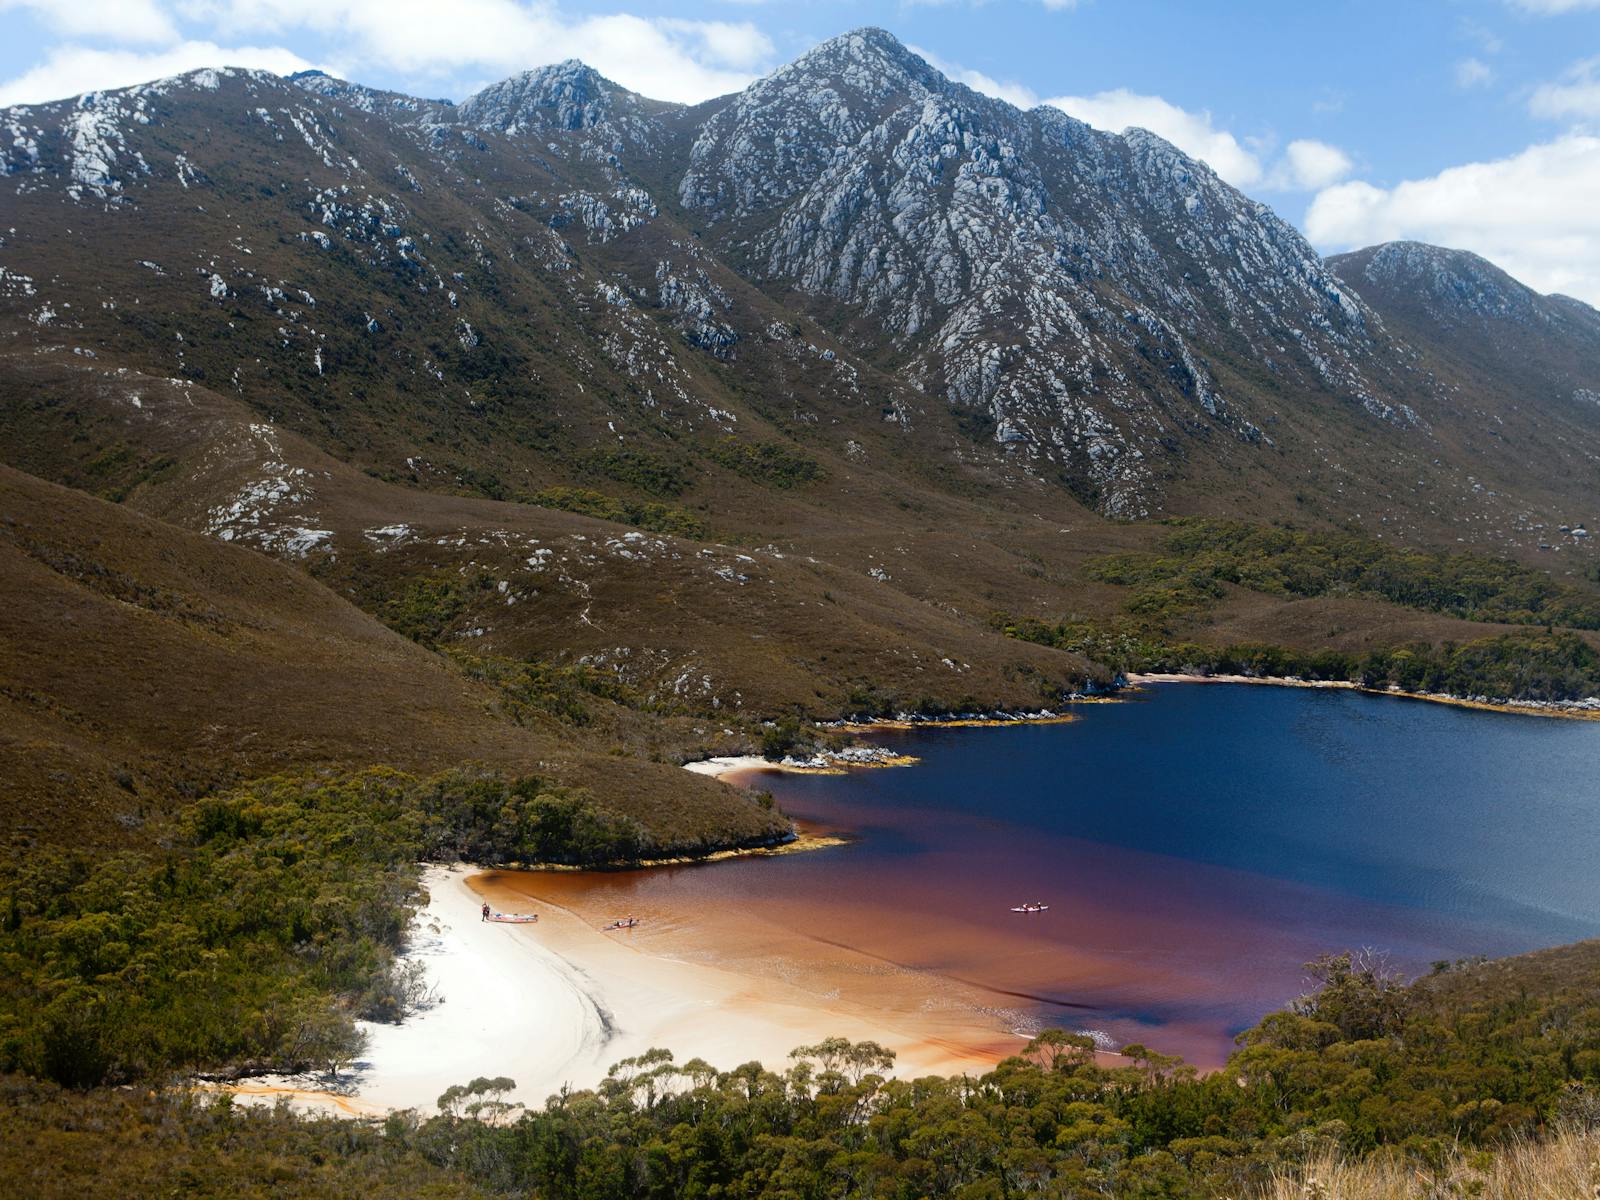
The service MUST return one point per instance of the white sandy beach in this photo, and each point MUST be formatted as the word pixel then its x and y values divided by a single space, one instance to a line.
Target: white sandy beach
pixel 556 1003
pixel 718 767
pixel 505 1005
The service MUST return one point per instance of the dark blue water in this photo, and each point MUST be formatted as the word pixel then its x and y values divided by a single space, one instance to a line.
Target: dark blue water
pixel 1491 817
pixel 1197 847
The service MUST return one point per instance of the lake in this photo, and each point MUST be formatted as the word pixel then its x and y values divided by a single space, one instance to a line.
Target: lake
pixel 1197 845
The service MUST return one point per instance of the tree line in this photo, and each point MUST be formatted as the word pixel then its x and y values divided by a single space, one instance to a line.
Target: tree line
pixel 269 923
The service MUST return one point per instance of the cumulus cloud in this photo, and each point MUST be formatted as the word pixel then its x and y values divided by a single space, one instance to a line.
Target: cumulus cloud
pixel 663 57
pixel 71 70
pixel 1192 132
pixel 1577 94
pixel 1532 213
pixel 1308 164
pixel 1550 8
pixel 1305 164
pixel 141 21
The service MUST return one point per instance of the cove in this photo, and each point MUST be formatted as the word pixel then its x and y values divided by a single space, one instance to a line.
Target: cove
pixel 1196 844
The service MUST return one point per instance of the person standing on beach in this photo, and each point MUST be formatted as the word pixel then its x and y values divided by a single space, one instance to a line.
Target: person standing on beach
pixel 485 916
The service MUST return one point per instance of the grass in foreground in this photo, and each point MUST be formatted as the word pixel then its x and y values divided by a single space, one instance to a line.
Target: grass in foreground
pixel 1563 1166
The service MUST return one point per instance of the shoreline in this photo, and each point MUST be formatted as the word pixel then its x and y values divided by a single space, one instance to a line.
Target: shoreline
pixel 557 1003
pixel 994 720
pixel 865 758
pixel 484 975
pixel 1572 710
pixel 826 762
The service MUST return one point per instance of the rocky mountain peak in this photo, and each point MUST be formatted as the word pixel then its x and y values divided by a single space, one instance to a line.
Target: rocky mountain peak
pixel 1457 280
pixel 1088 307
pixel 869 61
pixel 567 95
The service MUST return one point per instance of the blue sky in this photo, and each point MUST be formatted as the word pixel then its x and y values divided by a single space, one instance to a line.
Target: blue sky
pixel 1470 123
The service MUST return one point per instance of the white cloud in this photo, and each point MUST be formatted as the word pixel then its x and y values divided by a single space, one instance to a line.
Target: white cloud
pixel 668 59
pixel 1305 165
pixel 1486 39
pixel 1309 164
pixel 141 21
pixel 1576 95
pixel 1192 132
pixel 740 45
pixel 1532 213
pixel 71 70
pixel 1550 8
pixel 1473 72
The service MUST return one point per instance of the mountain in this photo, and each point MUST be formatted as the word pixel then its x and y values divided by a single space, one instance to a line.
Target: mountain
pixel 854 255
pixel 1481 324
pixel 1093 296
pixel 787 403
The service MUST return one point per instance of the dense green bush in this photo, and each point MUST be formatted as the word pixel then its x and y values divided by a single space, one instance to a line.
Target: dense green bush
pixel 772 464
pixel 270 923
pixel 1199 556
pixel 1533 665
pixel 488 819
pixel 426 608
pixel 658 518
pixel 781 738
pixel 648 472
pixel 562 691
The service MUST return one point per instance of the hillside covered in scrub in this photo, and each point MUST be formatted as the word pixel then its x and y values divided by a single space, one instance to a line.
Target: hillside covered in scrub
pixel 388 481
pixel 603 404
pixel 1435 1085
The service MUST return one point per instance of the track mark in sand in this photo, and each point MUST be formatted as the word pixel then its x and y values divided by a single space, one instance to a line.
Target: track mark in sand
pixel 1054 1001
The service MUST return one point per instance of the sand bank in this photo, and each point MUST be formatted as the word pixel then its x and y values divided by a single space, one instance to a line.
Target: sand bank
pixel 556 1003
pixel 731 765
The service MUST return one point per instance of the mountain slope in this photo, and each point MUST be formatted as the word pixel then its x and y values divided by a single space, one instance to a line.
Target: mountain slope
pixel 1073 286
pixel 698 627
pixel 1467 312
pixel 785 403
pixel 143 665
pixel 855 261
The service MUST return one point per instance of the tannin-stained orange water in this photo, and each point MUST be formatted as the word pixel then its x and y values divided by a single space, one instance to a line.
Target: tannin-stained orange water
pixel 1195 849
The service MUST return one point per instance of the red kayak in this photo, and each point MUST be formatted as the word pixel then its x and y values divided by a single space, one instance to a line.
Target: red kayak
pixel 514 918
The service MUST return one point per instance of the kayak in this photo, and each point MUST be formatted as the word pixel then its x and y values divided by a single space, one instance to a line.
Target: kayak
pixel 623 924
pixel 1031 908
pixel 514 918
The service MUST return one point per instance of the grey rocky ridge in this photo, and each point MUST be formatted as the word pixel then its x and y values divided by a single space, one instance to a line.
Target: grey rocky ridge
pixel 1092 310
